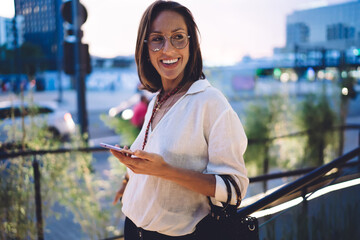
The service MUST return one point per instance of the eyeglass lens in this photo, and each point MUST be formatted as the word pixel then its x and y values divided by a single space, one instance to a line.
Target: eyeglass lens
pixel 157 41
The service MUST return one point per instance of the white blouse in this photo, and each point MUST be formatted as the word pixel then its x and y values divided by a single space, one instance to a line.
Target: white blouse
pixel 200 132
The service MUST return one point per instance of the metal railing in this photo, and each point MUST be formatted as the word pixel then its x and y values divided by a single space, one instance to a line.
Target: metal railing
pixel 299 183
pixel 315 173
pixel 37 176
pixel 306 132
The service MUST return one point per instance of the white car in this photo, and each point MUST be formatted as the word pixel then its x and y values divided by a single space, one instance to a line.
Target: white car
pixel 59 122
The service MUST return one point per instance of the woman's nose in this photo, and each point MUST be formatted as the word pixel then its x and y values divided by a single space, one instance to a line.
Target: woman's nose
pixel 167 45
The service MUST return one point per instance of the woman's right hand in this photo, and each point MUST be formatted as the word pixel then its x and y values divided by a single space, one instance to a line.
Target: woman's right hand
pixel 120 192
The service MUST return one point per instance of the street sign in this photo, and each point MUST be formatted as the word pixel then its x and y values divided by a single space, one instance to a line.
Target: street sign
pixel 66 12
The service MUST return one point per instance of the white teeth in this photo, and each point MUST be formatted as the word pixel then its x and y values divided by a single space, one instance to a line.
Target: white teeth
pixel 170 61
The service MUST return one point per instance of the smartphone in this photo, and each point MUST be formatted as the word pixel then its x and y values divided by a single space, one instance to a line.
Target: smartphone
pixel 105 145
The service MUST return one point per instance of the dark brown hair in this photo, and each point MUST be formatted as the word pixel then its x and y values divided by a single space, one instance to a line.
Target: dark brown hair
pixel 148 75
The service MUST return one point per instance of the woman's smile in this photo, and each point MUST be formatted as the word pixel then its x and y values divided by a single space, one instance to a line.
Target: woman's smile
pixel 170 63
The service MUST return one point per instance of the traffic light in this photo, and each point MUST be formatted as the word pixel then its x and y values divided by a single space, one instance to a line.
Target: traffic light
pixel 356 51
pixel 70 42
pixel 277 73
pixel 69 63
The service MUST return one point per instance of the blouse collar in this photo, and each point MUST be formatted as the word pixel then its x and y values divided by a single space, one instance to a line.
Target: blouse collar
pixel 198 86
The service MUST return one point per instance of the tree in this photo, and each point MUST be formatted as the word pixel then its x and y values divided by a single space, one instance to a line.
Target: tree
pixel 315 114
pixel 31 59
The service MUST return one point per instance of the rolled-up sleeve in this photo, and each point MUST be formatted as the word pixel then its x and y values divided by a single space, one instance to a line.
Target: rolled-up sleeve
pixel 227 143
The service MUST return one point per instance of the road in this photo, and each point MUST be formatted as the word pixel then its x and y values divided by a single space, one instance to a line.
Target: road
pixel 99 102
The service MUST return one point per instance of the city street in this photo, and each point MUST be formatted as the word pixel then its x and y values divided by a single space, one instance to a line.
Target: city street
pixel 99 102
pixel 290 71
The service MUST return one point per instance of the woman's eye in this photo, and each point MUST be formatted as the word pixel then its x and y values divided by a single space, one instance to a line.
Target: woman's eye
pixel 178 37
pixel 156 39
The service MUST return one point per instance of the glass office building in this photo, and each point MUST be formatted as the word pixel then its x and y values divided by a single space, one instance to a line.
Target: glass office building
pixel 43 26
pixel 334 27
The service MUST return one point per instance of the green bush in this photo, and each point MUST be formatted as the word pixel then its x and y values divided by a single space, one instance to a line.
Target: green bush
pixel 124 128
pixel 259 126
pixel 316 115
pixel 67 179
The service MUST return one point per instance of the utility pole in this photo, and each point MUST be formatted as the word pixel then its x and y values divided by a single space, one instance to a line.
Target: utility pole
pixel 79 71
pixel 59 52
pixel 76 56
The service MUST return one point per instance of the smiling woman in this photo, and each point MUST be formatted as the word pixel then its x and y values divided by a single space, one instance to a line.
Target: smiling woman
pixel 190 135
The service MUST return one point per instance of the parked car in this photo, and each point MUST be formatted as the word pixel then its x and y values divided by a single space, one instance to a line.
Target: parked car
pixel 59 122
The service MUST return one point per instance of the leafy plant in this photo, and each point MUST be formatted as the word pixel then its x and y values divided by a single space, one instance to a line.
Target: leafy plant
pixel 259 126
pixel 316 115
pixel 67 179
pixel 32 59
pixel 122 127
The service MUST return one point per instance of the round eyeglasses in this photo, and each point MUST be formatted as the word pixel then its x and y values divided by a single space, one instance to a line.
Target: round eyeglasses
pixel 156 41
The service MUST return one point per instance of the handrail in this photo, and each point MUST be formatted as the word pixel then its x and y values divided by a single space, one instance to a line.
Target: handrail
pixel 291 173
pixel 4 155
pixel 296 134
pixel 299 183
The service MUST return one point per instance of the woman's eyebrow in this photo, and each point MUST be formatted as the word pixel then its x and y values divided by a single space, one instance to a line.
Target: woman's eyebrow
pixel 178 29
pixel 157 32
pixel 175 30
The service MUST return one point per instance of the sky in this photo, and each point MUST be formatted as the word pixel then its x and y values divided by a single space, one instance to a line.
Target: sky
pixel 230 29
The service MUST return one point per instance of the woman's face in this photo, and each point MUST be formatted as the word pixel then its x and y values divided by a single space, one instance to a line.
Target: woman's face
pixel 169 61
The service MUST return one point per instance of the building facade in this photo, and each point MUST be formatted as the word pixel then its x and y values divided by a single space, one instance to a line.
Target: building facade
pixel 8 32
pixel 43 27
pixel 335 27
pixel 3 32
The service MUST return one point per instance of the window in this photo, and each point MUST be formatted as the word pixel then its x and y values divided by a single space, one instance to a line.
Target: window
pixel 43 110
pixel 339 31
pixel 36 9
pixel 8 112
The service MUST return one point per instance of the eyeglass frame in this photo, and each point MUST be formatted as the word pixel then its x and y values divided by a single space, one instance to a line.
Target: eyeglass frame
pixel 170 38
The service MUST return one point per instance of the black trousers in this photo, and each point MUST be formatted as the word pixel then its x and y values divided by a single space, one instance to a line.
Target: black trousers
pixel 132 232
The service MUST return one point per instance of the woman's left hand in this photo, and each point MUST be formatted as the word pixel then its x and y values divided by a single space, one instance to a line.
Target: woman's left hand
pixel 143 162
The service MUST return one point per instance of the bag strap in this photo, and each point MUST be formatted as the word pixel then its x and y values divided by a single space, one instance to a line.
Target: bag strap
pixel 229 180
pixel 227 203
pixel 237 189
pixel 228 187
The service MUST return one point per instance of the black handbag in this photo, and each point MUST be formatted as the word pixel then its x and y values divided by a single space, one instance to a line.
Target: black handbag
pixel 223 223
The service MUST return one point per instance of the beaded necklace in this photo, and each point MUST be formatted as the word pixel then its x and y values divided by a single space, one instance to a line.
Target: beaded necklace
pixel 159 101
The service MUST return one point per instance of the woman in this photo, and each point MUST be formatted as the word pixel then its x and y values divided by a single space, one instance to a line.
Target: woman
pixel 190 134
